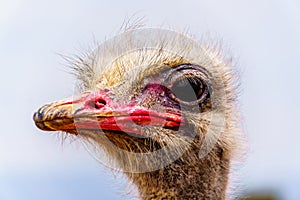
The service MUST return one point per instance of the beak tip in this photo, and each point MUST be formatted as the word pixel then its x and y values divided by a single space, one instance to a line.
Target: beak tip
pixel 38 118
pixel 39 115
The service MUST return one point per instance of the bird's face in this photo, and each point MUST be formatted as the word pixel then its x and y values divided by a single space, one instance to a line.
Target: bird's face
pixel 144 99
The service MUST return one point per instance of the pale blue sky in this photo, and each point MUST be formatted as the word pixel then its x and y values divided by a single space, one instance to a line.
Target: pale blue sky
pixel 262 35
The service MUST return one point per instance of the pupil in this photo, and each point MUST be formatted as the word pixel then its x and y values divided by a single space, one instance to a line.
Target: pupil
pixel 187 90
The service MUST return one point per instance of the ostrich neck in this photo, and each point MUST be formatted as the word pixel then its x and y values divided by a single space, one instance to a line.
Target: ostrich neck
pixel 196 178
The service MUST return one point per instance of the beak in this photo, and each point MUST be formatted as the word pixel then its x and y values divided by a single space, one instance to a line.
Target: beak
pixel 99 111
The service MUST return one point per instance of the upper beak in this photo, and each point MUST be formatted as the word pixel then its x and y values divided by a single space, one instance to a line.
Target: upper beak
pixel 98 111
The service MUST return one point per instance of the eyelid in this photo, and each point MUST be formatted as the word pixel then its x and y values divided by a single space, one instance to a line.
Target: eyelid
pixel 183 73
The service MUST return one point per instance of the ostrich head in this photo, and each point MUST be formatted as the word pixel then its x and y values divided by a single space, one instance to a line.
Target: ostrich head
pixel 161 106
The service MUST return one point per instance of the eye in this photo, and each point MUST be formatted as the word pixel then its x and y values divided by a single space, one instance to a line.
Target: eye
pixel 189 88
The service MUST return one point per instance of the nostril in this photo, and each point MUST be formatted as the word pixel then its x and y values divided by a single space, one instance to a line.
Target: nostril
pixel 99 103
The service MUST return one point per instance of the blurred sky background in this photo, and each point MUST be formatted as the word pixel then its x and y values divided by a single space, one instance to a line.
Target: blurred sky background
pixel 262 35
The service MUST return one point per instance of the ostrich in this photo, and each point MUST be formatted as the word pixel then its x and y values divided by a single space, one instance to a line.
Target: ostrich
pixel 162 106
